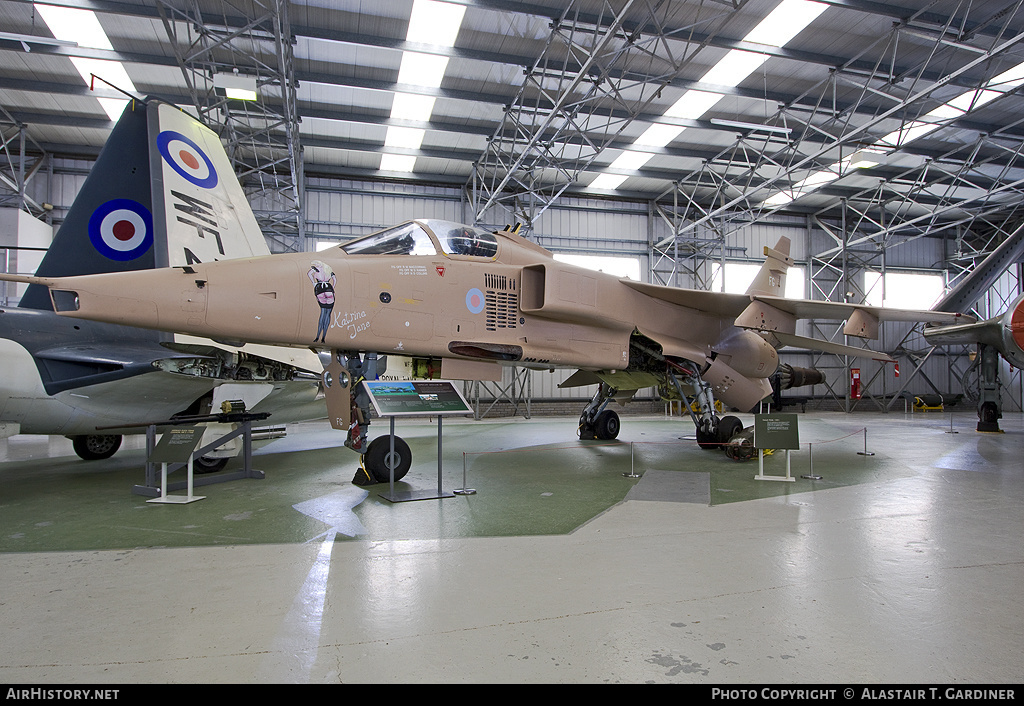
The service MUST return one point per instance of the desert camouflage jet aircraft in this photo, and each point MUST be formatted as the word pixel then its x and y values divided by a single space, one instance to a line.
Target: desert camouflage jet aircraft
pixel 464 302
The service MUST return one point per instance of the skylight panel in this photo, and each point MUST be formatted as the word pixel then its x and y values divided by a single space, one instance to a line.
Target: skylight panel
pixel 410 106
pixel 406 137
pixel 431 22
pixel 435 23
pixel 397 163
pixel 74 25
pixel 607 181
pixel 734 68
pixel 659 135
pixel 83 27
pixel 422 69
pixel 631 160
pixel 787 20
pixel 693 104
pixel 1009 80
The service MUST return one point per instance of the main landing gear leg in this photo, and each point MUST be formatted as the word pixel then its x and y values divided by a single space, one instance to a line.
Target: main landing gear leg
pixel 376 458
pixel 712 432
pixel 597 422
pixel 989 404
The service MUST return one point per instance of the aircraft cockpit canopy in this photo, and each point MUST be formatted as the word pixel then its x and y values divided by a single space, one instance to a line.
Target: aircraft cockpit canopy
pixel 459 239
pixel 406 239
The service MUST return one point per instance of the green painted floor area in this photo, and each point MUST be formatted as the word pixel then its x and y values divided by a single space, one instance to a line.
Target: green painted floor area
pixel 532 477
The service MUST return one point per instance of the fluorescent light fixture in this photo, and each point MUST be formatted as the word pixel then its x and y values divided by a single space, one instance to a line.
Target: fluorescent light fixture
pixel 751 126
pixel 422 69
pixel 235 86
pixel 435 23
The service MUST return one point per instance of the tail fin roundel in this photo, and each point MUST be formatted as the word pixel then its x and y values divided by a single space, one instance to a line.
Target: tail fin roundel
pixel 109 227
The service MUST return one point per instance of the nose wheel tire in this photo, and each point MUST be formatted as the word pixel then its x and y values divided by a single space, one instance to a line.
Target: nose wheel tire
pixel 378 459
pixel 607 424
pixel 728 427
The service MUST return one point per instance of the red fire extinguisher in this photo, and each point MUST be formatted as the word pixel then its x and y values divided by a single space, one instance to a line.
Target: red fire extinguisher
pixel 854 383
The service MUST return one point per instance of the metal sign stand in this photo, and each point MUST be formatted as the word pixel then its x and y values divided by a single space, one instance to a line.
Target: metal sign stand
pixel 403 496
pixel 244 421
pixel 760 469
pixel 176 445
pixel 425 398
pixel 775 431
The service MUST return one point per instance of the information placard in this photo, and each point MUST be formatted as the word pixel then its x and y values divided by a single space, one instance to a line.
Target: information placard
pixel 776 431
pixel 396 398
pixel 177 444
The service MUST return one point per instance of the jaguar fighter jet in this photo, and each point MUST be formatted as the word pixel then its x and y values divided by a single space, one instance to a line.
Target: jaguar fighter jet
pixel 463 302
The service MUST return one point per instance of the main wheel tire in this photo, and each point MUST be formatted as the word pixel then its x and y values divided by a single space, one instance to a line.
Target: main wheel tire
pixel 729 427
pixel 375 460
pixel 96 447
pixel 607 425
pixel 208 464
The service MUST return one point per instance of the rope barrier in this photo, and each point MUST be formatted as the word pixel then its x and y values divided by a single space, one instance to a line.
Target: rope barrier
pixel 632 473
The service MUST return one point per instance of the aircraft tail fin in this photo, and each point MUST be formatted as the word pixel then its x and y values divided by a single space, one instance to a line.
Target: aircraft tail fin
pixel 109 227
pixel 771 279
pixel 198 203
pixel 161 193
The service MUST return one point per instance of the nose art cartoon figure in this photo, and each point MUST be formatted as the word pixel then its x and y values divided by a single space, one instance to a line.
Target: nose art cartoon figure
pixel 323 279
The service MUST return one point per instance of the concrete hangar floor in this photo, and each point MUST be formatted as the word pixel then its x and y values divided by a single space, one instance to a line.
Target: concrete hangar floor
pixel 901 567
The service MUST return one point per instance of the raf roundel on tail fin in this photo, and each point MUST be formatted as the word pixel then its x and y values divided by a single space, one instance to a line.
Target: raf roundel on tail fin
pixel 121 229
pixel 198 201
pixel 187 159
pixel 108 228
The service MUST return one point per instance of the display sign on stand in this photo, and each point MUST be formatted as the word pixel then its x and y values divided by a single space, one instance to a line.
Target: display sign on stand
pixel 176 446
pixel 416 398
pixel 775 431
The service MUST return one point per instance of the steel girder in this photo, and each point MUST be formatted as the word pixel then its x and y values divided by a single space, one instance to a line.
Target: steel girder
pixel 17 167
pixel 600 69
pixel 261 136
pixel 853 109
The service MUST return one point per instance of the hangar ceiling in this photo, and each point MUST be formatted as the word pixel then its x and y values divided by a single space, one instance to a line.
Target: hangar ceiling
pixel 896 119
